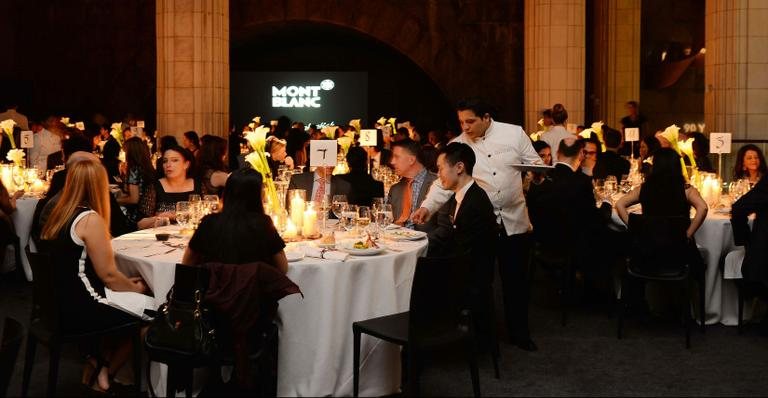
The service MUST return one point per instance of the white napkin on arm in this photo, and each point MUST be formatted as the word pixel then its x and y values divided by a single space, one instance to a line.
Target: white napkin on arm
pixel 311 251
pixel 130 302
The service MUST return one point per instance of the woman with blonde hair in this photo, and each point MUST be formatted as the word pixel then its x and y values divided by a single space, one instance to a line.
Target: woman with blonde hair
pixel 77 235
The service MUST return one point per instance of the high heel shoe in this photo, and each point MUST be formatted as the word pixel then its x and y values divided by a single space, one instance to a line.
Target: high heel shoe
pixel 93 380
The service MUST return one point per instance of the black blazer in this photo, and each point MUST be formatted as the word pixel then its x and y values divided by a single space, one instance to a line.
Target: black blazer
pixel 610 164
pixel 306 180
pixel 563 209
pixel 755 265
pixel 473 230
pixel 366 188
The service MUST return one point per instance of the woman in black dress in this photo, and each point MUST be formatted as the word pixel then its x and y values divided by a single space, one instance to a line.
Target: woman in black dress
pixel 77 235
pixel 241 233
pixel 175 187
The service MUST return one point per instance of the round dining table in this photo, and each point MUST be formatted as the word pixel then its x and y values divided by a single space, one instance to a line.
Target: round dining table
pixel 714 240
pixel 22 222
pixel 315 348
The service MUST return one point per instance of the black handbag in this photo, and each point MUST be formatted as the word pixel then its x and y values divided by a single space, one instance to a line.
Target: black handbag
pixel 183 330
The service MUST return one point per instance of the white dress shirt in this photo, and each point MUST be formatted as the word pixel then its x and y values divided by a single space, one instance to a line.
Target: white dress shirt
pixel 460 197
pixel 502 145
pixel 554 136
pixel 45 143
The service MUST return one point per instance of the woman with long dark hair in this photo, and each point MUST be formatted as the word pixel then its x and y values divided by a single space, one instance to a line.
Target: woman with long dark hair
pixel 750 164
pixel 212 165
pixel 141 177
pixel 241 233
pixel 176 186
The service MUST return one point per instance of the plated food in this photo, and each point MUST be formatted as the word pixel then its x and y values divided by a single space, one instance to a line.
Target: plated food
pixel 405 234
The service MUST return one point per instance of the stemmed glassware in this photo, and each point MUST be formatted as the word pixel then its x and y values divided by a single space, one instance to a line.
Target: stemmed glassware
pixel 348 217
pixel 338 204
pixel 182 213
pixel 384 216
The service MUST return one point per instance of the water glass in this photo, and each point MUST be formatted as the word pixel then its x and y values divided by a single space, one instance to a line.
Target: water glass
pixel 338 204
pixel 194 198
pixel 182 213
pixel 162 222
pixel 384 216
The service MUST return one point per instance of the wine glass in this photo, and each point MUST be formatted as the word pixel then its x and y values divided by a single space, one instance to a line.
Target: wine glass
pixel 363 217
pixel 384 216
pixel 337 205
pixel 212 203
pixel 376 204
pixel 194 198
pixel 348 216
pixel 182 213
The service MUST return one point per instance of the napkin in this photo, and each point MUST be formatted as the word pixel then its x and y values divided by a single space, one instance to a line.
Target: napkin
pixel 311 251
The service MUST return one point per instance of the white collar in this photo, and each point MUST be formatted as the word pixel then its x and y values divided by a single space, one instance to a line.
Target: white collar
pixel 463 191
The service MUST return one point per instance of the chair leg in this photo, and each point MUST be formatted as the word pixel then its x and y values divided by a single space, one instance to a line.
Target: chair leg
pixel 473 371
pixel 137 359
pixel 702 305
pixel 687 315
pixel 29 361
pixel 356 362
pixel 413 372
pixel 622 304
pixel 170 382
pixel 53 369
pixel 741 309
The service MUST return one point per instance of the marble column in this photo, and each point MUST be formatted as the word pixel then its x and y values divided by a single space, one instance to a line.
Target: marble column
pixel 736 61
pixel 192 66
pixel 615 59
pixel 554 58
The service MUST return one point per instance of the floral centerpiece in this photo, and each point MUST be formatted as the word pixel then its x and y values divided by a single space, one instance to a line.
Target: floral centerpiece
pixel 7 126
pixel 117 132
pixel 597 128
pixel 257 139
pixel 16 156
pixel 672 135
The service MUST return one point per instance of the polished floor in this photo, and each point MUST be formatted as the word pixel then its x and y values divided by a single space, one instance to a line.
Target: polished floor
pixel 582 358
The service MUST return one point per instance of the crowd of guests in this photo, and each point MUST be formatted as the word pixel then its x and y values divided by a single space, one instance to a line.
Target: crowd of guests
pixel 465 194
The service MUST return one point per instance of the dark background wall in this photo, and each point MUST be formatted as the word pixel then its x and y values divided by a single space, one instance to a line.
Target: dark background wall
pixel 77 57
pixel 422 56
pixel 674 27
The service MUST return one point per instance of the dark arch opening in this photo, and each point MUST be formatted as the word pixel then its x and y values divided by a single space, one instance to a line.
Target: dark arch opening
pixel 396 85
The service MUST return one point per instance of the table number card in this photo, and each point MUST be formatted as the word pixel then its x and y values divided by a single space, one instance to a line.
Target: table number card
pixel 368 137
pixel 631 134
pixel 322 153
pixel 27 139
pixel 720 142
pixel 80 126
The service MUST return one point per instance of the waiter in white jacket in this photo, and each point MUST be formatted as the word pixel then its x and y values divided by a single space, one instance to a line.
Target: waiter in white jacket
pixel 497 147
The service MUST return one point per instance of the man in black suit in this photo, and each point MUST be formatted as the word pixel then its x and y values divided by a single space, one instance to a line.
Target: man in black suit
pixel 564 214
pixel 755 265
pixel 610 163
pixel 320 184
pixel 471 227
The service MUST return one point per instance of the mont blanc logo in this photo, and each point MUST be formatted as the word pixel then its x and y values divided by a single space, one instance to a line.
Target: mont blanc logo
pixel 300 96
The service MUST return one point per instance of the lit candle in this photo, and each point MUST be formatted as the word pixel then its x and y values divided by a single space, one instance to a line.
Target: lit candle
pixel 290 230
pixel 297 210
pixel 309 227
pixel 38 186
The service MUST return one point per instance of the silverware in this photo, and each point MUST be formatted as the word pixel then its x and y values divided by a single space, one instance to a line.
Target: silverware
pixel 157 254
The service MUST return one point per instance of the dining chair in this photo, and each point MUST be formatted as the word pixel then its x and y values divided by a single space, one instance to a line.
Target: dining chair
pixel 45 328
pixel 659 253
pixel 439 315
pixel 13 334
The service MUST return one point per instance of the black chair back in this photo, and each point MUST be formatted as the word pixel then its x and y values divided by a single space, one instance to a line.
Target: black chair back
pixel 189 279
pixel 658 242
pixel 439 294
pixel 13 333
pixel 44 302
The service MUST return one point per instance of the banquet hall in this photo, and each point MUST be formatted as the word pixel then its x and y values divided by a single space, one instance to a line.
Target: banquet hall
pixel 383 198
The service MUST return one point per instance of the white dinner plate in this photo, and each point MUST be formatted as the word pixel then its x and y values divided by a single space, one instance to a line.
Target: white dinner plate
pixel 348 247
pixel 405 234
pixel 294 255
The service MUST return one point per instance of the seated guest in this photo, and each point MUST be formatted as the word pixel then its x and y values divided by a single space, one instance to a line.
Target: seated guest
pixel 76 235
pixel 365 188
pixel 591 150
pixel 701 152
pixel 320 185
pixel 110 158
pixel 562 209
pixel 750 164
pixel 610 163
pixel 7 229
pixel 211 161
pixel 165 142
pixel 406 196
pixel 45 143
pixel 648 146
pixel 139 180
pixel 297 142
pixel 219 236
pixel 175 187
pixel 191 142
pixel 472 227
pixel 277 154
pixel 665 193
pixel 380 156
pixel 554 135
pixel 754 268
pixel 530 177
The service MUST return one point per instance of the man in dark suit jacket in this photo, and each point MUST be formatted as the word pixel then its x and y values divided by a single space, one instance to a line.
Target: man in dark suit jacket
pixel 610 163
pixel 755 265
pixel 471 228
pixel 366 188
pixel 407 161
pixel 563 211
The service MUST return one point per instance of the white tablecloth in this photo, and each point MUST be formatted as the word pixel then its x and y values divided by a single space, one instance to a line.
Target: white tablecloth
pixel 715 241
pixel 315 352
pixel 22 221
